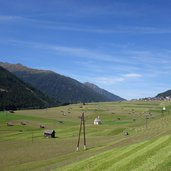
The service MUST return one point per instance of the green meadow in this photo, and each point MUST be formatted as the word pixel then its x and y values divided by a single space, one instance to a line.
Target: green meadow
pixel 146 147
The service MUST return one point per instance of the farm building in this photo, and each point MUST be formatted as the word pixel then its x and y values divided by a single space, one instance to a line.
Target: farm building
pixel 49 133
pixel 11 111
pixel 125 133
pixel 42 126
pixel 97 121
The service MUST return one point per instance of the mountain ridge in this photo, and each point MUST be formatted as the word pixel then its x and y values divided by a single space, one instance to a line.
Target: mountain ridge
pixel 62 88
pixel 164 94
pixel 16 94
pixel 104 92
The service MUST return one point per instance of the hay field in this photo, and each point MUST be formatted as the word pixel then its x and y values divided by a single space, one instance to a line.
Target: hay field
pixel 23 147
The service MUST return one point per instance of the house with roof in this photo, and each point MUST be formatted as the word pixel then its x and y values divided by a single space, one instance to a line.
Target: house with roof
pixel 49 133
pixel 97 121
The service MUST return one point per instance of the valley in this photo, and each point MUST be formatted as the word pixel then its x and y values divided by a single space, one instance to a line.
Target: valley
pixel 24 147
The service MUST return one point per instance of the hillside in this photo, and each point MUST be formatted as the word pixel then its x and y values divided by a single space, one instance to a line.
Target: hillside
pixel 62 88
pixel 164 94
pixel 15 93
pixel 110 96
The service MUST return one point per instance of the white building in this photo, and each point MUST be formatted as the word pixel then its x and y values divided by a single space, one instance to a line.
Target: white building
pixel 164 108
pixel 97 121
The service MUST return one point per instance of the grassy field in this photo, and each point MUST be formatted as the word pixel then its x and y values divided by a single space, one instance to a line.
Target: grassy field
pixel 147 147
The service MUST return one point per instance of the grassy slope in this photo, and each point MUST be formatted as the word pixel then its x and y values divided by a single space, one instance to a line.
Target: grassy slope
pixel 25 148
pixel 147 155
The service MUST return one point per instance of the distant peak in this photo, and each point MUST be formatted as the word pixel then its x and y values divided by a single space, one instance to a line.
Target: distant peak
pixel 21 67
pixel 19 64
pixel 109 95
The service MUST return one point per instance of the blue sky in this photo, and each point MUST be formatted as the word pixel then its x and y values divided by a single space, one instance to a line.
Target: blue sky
pixel 122 46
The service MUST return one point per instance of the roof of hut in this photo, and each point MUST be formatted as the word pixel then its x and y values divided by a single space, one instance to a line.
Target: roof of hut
pixel 49 131
pixel 97 119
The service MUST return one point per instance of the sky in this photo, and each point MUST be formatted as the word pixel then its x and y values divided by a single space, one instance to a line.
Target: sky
pixel 122 46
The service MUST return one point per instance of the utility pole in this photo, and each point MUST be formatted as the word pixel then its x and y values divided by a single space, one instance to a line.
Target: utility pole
pixel 82 124
pixel 84 131
pixel 32 136
pixel 79 135
pixel 146 118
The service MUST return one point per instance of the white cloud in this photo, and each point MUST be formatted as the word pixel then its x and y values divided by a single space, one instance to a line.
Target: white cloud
pixel 132 75
pixel 131 62
pixel 9 18
pixel 121 29
pixel 70 51
pixel 87 28
pixel 109 80
pixel 118 61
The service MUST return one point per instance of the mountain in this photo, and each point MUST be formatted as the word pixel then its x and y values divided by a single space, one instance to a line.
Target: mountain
pixel 164 94
pixel 108 95
pixel 62 88
pixel 16 94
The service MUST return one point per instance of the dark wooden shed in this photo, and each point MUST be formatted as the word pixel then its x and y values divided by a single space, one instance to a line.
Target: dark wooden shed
pixel 49 133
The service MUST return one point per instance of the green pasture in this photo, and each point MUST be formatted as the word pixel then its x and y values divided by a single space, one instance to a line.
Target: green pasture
pixel 23 147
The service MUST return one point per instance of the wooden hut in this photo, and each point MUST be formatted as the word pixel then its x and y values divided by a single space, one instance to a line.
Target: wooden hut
pixel 125 133
pixel 42 126
pixel 49 133
pixel 11 111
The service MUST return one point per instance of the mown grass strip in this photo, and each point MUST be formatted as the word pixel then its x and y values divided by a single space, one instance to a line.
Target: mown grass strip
pixel 142 159
pixel 120 157
pixel 153 162
pixel 106 163
pixel 104 158
pixel 121 165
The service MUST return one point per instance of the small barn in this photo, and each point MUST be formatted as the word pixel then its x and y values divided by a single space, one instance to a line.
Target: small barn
pixel 11 111
pixel 125 133
pixel 97 121
pixel 49 133
pixel 42 126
